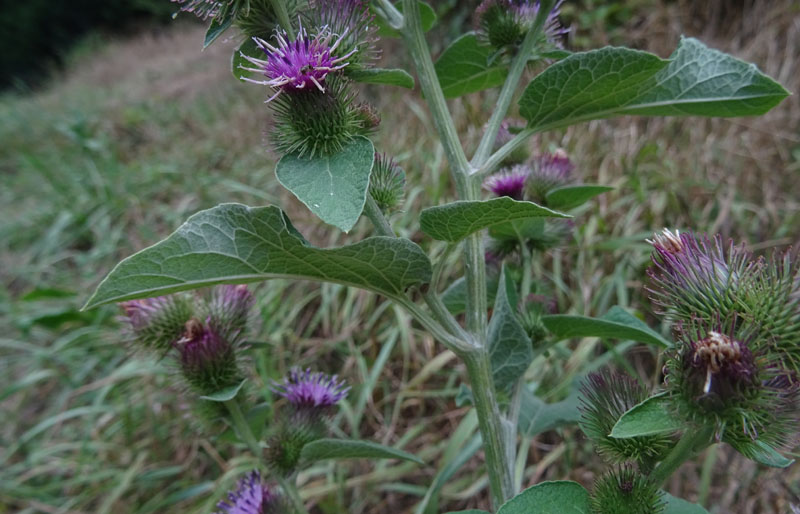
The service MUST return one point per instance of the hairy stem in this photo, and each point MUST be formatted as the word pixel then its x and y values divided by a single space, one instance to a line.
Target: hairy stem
pixel 390 14
pixel 279 6
pixel 290 490
pixel 242 427
pixel 690 443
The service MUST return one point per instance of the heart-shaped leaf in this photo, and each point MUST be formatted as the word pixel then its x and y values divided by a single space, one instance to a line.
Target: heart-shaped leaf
pixel 333 187
pixel 464 67
pixel 557 497
pixel 233 244
pixel 324 449
pixel 537 416
pixel 650 417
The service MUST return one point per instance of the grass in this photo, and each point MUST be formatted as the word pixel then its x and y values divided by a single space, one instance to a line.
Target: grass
pixel 141 133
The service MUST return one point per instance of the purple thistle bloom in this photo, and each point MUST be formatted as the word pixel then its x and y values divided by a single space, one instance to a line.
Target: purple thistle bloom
pixel 207 359
pixel 251 496
pixel 306 390
pixel 509 182
pixel 301 64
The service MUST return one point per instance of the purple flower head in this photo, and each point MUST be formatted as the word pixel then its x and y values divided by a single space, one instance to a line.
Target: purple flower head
pixel 306 390
pixel 298 65
pixel 230 308
pixel 509 182
pixel 251 496
pixel 207 359
pixel 550 170
pixel 156 323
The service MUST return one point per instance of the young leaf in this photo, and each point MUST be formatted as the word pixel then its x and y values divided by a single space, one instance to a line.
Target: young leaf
pixel 464 68
pixel 569 197
pixel 233 244
pixel 427 17
pixel 510 349
pixel 454 221
pixel 249 48
pixel 537 416
pixel 761 452
pixel 695 81
pixel 333 187
pixel 557 497
pixel 675 505
pixel 226 394
pixel 323 449
pixel 217 27
pixel 616 323
pixel 652 416
pixel 394 77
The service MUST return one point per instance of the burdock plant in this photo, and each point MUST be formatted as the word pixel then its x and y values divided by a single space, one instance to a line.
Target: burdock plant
pixel 730 374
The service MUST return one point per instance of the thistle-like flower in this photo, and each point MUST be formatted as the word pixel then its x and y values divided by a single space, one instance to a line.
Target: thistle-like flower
pixel 626 491
pixel 301 64
pixel 355 24
pixel 252 496
pixel 509 182
pixel 504 23
pixel 230 311
pixel 549 171
pixel 387 182
pixel 207 360
pixel 311 391
pixel 157 323
pixel 605 397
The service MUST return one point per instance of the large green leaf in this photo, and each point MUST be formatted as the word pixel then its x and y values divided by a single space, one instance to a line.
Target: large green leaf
pixel 324 449
pixel 393 77
pixel 510 349
pixel 569 197
pixel 455 221
pixel 675 505
pixel 696 80
pixel 465 67
pixel 761 452
pixel 233 243
pixel 616 323
pixel 652 416
pixel 333 187
pixel 557 497
pixel 537 416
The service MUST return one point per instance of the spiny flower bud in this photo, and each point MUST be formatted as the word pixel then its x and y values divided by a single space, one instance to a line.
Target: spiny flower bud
pixel 252 496
pixel 549 171
pixel 531 311
pixel 696 279
pixel 625 491
pixel 156 323
pixel 605 397
pixel 207 360
pixel 285 448
pixel 229 311
pixel 353 22
pixel 504 23
pixel 387 182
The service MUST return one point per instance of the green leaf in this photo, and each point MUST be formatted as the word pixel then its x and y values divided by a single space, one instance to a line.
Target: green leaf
pixel 761 452
pixel 248 48
pixel 464 67
pixel 569 197
pixel 229 393
pixel 333 187
pixel 616 323
pixel 695 81
pixel 557 497
pixel 426 14
pixel 470 511
pixel 234 244
pixel 394 77
pixel 217 27
pixel 650 417
pixel 455 221
pixel 455 296
pixel 679 506
pixel 537 416
pixel 323 449
pixel 510 349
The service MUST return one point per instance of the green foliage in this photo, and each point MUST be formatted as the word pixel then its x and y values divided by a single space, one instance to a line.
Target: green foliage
pixel 569 197
pixel 233 243
pixel 510 348
pixel 427 16
pixel 626 491
pixel 466 67
pixel 696 80
pixel 615 324
pixel 557 497
pixel 673 505
pixel 333 187
pixel 536 416
pixel 395 77
pixel 651 416
pixel 324 449
pixel 224 395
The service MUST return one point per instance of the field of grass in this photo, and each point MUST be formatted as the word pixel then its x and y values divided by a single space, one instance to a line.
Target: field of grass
pixel 139 134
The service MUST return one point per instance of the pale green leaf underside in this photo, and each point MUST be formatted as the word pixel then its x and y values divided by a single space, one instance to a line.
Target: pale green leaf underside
pixel 650 417
pixel 455 221
pixel 510 350
pixel 557 497
pixel 464 68
pixel 389 77
pixel 696 81
pixel 676 505
pixel 616 323
pixel 324 449
pixel 569 197
pixel 226 394
pixel 233 243
pixel 333 187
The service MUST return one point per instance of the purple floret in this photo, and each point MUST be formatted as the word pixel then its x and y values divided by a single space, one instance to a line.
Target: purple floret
pixel 250 497
pixel 510 182
pixel 304 389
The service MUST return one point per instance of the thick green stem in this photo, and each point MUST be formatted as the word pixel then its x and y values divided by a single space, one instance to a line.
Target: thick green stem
pixel 375 215
pixel 690 443
pixel 290 490
pixel 490 422
pixel 242 427
pixel 390 14
pixel 279 6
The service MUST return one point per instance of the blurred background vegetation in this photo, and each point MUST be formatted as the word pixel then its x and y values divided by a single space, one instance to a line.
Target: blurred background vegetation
pixel 110 141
